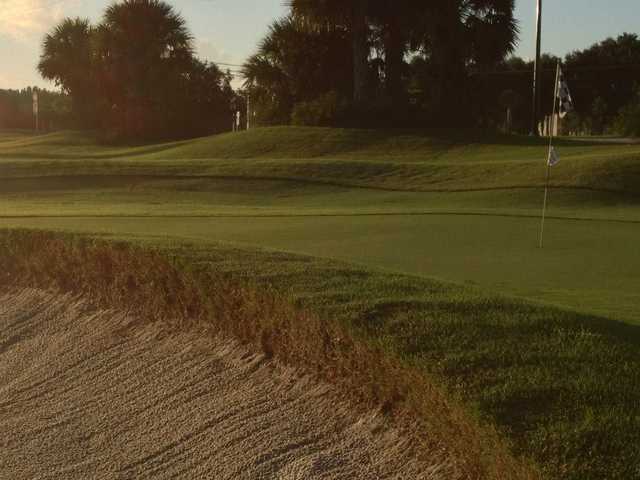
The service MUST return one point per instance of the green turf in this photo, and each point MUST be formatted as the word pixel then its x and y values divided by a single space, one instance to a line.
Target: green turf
pixel 388 160
pixel 303 182
pixel 457 207
pixel 587 266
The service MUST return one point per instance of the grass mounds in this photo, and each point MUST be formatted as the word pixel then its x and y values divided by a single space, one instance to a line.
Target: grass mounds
pixel 560 388
pixel 388 159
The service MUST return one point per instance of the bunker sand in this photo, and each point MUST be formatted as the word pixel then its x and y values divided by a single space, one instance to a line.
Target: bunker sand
pixel 97 394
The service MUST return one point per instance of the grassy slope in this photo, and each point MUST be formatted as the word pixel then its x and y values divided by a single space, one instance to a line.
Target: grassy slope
pixel 390 160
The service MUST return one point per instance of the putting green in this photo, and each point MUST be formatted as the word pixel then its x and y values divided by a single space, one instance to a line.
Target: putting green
pixel 589 266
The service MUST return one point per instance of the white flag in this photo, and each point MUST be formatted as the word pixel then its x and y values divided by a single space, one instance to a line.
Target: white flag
pixel 564 96
pixel 553 158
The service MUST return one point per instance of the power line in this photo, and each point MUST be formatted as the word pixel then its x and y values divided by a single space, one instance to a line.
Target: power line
pixel 227 64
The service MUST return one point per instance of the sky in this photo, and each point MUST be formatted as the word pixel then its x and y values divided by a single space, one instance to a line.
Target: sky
pixel 228 30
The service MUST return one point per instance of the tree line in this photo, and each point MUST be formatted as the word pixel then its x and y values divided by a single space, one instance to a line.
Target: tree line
pixel 356 61
pixel 16 109
pixel 439 63
pixel 135 75
pixel 406 63
pixel 604 80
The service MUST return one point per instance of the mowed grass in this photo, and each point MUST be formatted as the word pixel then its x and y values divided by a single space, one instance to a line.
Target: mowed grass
pixel 408 161
pixel 462 207
pixel 414 210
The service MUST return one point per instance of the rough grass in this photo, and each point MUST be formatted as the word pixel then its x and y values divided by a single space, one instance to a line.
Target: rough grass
pixel 560 387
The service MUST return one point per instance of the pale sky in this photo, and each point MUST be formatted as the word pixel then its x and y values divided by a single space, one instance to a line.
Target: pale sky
pixel 228 30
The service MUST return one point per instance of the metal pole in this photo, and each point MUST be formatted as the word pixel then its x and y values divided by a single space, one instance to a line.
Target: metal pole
pixel 537 69
pixel 551 133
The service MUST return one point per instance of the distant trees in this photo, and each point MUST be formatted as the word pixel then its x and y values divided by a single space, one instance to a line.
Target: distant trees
pixel 384 39
pixel 331 62
pixel 627 122
pixel 603 79
pixel 434 63
pixel 16 109
pixel 135 73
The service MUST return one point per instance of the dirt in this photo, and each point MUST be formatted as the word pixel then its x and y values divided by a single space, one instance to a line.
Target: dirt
pixel 100 394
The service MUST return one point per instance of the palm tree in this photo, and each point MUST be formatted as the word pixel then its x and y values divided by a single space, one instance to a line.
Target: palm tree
pixel 67 60
pixel 396 23
pixel 453 32
pixel 295 63
pixel 492 29
pixel 145 49
pixel 463 34
pixel 349 13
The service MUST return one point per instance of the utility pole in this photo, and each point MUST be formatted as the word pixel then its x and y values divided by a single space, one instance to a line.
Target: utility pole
pixel 537 70
pixel 248 110
pixel 36 109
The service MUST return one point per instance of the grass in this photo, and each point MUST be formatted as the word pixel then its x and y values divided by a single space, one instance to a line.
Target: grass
pixel 588 266
pixel 407 161
pixel 440 232
pixel 541 376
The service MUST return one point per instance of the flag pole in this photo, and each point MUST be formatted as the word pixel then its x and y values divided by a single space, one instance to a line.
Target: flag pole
pixel 552 125
pixel 537 68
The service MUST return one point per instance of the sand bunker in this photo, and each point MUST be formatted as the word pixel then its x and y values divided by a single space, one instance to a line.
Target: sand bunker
pixel 86 394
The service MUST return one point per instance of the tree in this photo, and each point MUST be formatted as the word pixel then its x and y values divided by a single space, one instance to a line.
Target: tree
pixel 136 73
pixel 351 15
pixel 202 103
pixel 16 109
pixel 460 35
pixel 628 120
pixel 68 61
pixel 397 24
pixel 144 49
pixel 608 71
pixel 453 34
pixel 295 63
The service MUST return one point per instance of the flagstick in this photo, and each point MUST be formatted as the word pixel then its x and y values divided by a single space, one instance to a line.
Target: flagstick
pixel 551 133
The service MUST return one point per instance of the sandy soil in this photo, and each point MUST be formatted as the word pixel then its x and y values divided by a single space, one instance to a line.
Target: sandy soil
pixel 86 394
